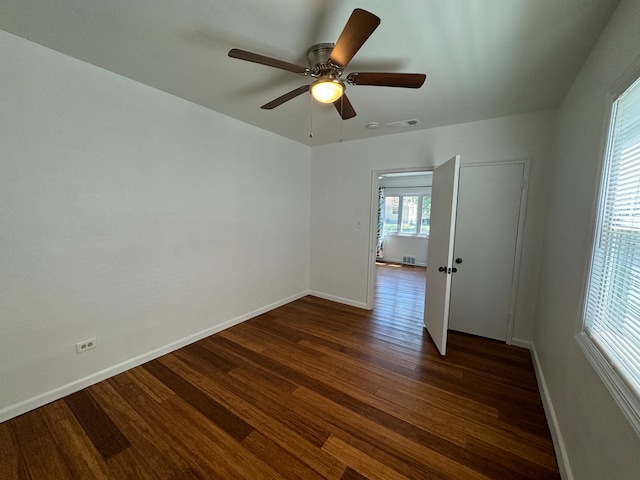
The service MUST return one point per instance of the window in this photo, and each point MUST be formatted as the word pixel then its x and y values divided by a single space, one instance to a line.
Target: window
pixel 425 217
pixel 407 214
pixel 611 334
pixel 391 214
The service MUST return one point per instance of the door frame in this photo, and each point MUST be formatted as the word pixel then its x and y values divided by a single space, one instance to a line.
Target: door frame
pixel 373 223
pixel 373 230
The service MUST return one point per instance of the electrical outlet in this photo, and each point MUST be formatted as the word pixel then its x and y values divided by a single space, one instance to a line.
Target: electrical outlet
pixel 86 345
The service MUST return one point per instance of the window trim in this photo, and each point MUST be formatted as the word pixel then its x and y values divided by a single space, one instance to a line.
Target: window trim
pixel 627 398
pixel 624 396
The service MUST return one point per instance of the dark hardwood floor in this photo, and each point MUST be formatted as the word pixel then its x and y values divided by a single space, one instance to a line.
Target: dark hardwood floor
pixel 311 390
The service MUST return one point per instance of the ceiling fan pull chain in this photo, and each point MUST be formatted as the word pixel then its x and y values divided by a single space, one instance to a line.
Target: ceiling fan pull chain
pixel 311 118
pixel 341 116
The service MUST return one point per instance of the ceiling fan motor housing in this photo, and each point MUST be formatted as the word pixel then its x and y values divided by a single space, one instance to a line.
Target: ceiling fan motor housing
pixel 319 65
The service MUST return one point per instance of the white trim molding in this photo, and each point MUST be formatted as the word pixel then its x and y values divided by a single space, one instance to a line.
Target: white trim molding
pixel 44 398
pixel 518 342
pixel 624 396
pixel 552 419
pixel 336 299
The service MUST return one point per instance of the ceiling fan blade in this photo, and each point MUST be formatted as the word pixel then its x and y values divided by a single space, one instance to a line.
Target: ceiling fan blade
pixel 381 79
pixel 268 61
pixel 344 107
pixel 359 27
pixel 285 98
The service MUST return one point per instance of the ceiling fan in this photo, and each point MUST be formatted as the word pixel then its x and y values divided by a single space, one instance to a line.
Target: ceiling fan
pixel 327 63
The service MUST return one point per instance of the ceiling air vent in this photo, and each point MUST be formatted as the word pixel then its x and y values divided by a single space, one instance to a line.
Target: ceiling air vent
pixel 404 123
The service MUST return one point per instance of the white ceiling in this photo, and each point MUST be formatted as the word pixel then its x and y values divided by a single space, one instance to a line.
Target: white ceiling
pixel 483 58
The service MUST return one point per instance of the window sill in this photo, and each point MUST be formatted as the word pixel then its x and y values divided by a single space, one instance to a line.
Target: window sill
pixel 625 397
pixel 406 235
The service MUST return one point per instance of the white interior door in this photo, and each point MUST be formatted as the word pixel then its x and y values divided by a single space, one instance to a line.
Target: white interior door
pixel 440 255
pixel 488 217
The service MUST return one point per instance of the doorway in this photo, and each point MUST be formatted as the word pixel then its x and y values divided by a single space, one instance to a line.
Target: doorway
pixel 400 223
pixel 488 190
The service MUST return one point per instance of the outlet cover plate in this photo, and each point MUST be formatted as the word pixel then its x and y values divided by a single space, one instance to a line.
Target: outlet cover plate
pixel 86 345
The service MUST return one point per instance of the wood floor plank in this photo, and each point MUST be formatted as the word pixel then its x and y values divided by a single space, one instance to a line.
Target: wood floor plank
pixel 418 453
pixel 213 359
pixel 244 340
pixel 29 427
pixel 207 448
pixel 358 407
pixel 41 455
pixel 518 463
pixel 351 474
pixel 311 390
pixel 8 443
pixel 155 388
pixel 327 371
pixel 300 435
pixel 43 460
pixel 230 423
pixel 428 396
pixel 287 434
pixel 359 461
pixel 104 434
pixel 79 452
pixel 278 457
pixel 396 378
pixel 144 438
pixel 189 474
pixel 224 455
pixel 12 466
pixel 389 360
pixel 433 420
pixel 500 434
pixel 176 431
pixel 129 465
pixel 267 377
pixel 272 403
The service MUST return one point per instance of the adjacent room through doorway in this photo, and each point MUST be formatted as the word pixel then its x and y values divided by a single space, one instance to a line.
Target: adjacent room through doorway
pixel 400 291
pixel 403 219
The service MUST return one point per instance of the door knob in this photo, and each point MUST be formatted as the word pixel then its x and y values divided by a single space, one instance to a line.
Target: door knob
pixel 458 260
pixel 442 269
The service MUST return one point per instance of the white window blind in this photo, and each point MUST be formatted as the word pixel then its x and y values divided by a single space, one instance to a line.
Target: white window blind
pixel 612 308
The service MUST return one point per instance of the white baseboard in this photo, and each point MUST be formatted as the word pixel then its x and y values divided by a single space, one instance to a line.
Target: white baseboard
pixel 518 342
pixel 333 298
pixel 552 420
pixel 399 262
pixel 42 399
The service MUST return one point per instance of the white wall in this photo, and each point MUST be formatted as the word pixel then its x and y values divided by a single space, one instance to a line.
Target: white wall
pixel 341 176
pixel 598 440
pixel 118 220
pixel 397 246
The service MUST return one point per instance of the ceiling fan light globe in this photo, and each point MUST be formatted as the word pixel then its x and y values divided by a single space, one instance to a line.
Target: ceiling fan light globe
pixel 327 91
